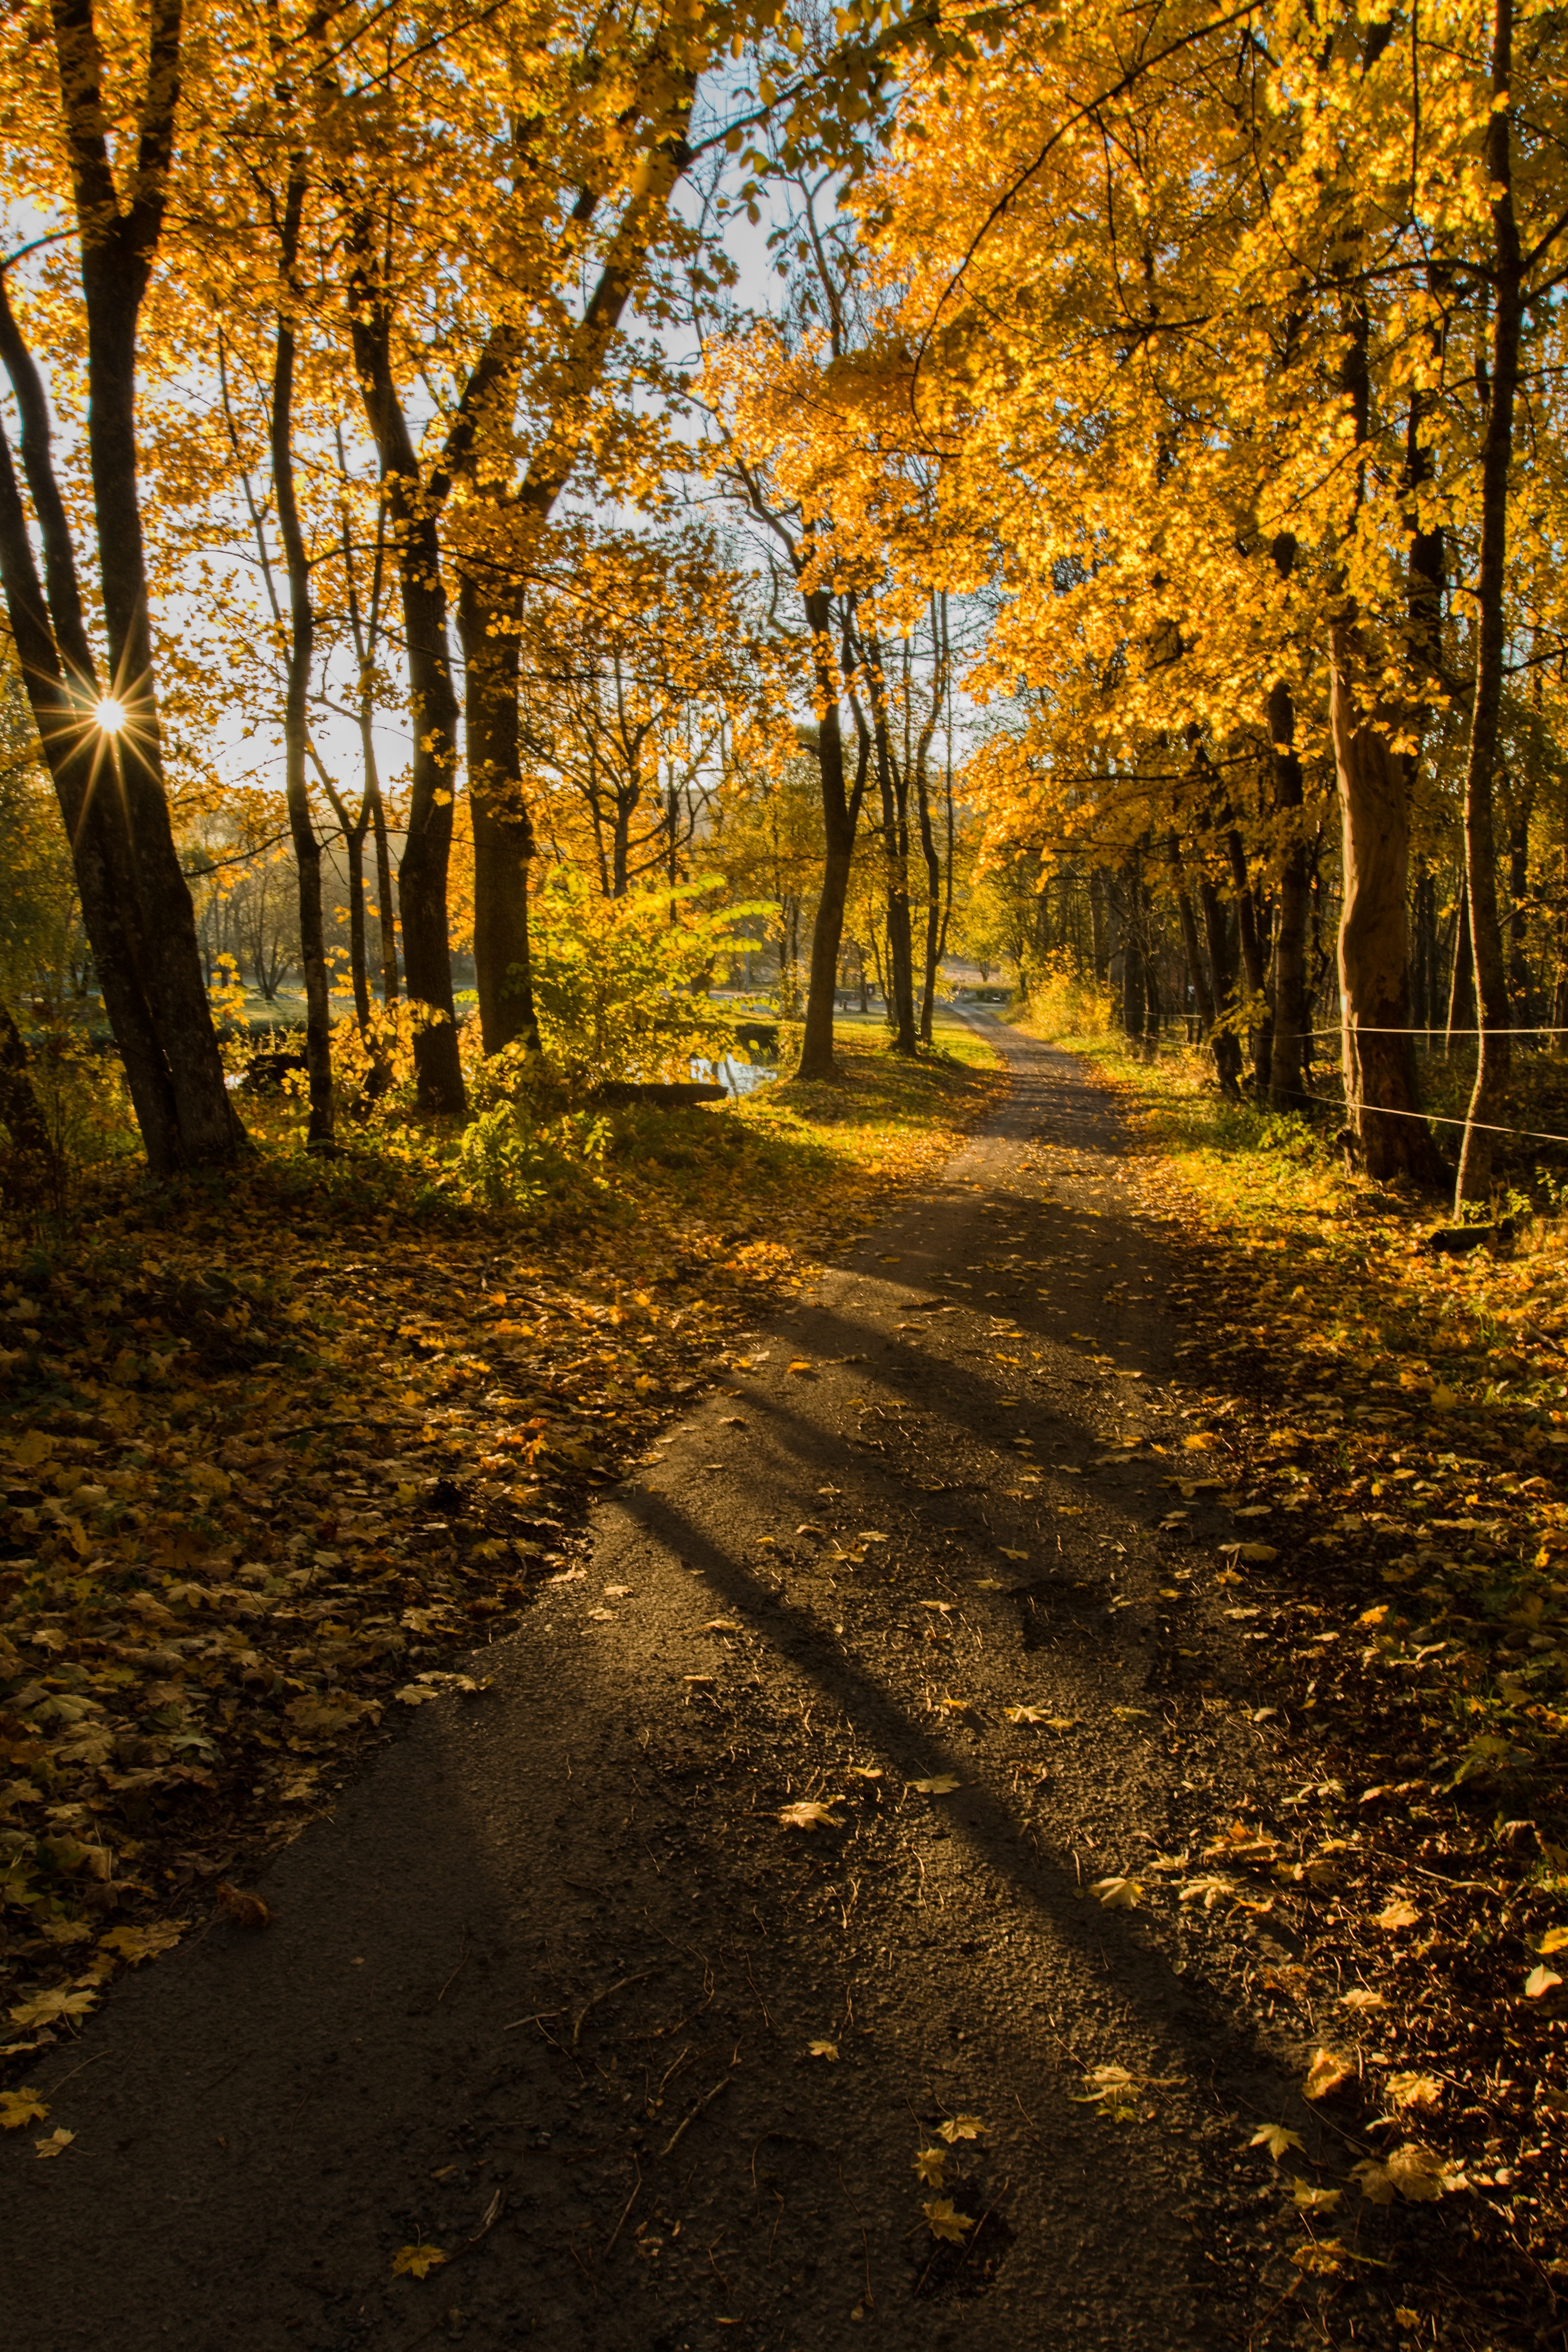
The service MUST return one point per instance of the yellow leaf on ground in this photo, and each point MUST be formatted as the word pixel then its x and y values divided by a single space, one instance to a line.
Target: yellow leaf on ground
pixel 945 2219
pixel 1118 1894
pixel 48 2007
pixel 928 2163
pixel 138 1944
pixel 828 2050
pixel 942 1784
pixel 19 2107
pixel 1061 1722
pixel 1308 2199
pixel 1397 1914
pixel 55 2145
pixel 1276 2139
pixel 1414 2090
pixel 809 1815
pixel 416 2262
pixel 1011 1555
pixel 1325 2073
pixel 1420 2174
pixel 1539 1980
pixel 1554 1940
pixel 721 1625
pixel 1025 1714
pixel 1359 1997
pixel 959 2127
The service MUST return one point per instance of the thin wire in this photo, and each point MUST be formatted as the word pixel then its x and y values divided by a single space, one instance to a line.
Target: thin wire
pixel 1435 1118
pixel 1435 1029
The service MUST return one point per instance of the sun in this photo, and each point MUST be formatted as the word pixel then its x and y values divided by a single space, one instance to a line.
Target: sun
pixel 110 714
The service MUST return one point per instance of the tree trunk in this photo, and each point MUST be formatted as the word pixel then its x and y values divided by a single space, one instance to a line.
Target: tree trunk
pixel 1487 1099
pixel 1190 948
pixel 136 904
pixel 1254 960
pixel 503 828
pixel 1461 1016
pixel 1292 1015
pixel 1382 1099
pixel 1520 983
pixel 1223 1038
pixel 302 653
pixel 1099 926
pixel 840 815
pixel 36 1157
pixel 433 702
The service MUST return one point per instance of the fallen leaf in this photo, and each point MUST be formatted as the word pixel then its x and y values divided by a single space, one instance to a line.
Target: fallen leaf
pixel 945 2219
pixel 55 2145
pixel 941 1785
pixel 245 1909
pixel 1208 1891
pixel 1011 1555
pixel 809 1815
pixel 617 1591
pixel 48 2007
pixel 807 1528
pixel 822 2050
pixel 1420 2174
pixel 1025 1714
pixel 1325 2073
pixel 1118 1894
pixel 1397 1914
pixel 801 1364
pixel 1413 2090
pixel 721 1625
pixel 1539 1980
pixel 1276 2139
pixel 1308 2199
pixel 1359 1997
pixel 1554 1940
pixel 19 2107
pixel 1321 2256
pixel 1129 1714
pixel 138 1944
pixel 1062 1722
pixel 416 2262
pixel 959 2127
pixel 928 2163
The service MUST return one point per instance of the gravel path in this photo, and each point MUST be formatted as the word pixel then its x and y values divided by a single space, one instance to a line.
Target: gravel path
pixel 556 1991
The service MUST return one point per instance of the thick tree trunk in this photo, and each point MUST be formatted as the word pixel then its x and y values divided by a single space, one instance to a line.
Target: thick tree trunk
pixel 503 828
pixel 1487 1101
pixel 1382 1099
pixel 1461 1016
pixel 1520 983
pixel 1292 1017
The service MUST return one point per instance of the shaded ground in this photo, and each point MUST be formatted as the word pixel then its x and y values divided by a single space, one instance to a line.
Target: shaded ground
pixel 542 1993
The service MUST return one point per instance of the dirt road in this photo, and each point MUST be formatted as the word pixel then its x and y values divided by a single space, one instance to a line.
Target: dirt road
pixel 557 1991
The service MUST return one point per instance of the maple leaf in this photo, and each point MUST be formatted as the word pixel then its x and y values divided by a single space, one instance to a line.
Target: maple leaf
pixel 828 2050
pixel 1397 1914
pixel 1025 1714
pixel 135 1944
pixel 929 2163
pixel 941 1784
pixel 811 1814
pixel 55 2145
pixel 1554 1940
pixel 1118 1894
pixel 1276 2139
pixel 946 2221
pixel 19 2107
pixel 1308 2199
pixel 1413 2090
pixel 959 2127
pixel 48 2007
pixel 416 2262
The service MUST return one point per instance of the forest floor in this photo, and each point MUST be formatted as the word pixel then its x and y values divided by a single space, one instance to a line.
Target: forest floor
pixel 965 1846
